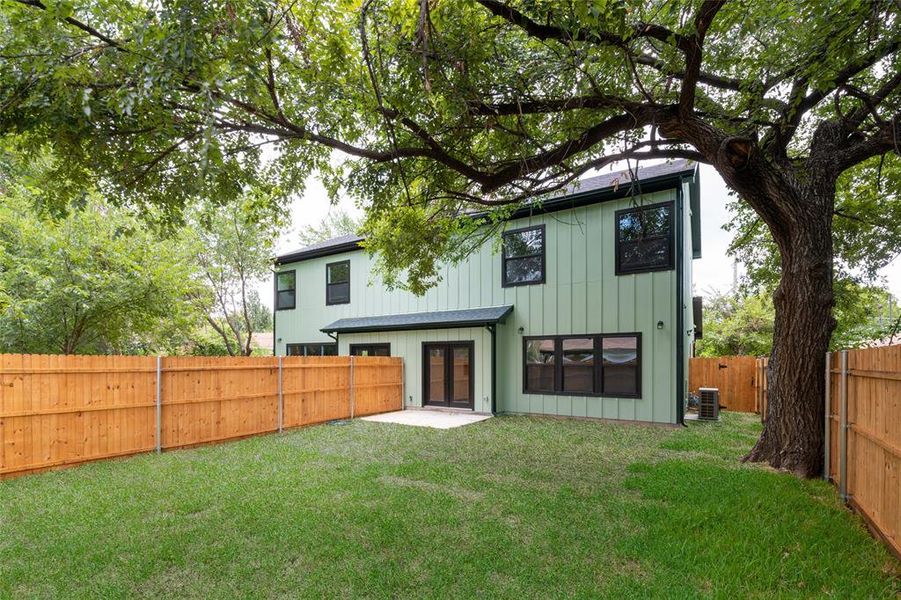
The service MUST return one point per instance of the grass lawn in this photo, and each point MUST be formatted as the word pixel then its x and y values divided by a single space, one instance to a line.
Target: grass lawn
pixel 513 507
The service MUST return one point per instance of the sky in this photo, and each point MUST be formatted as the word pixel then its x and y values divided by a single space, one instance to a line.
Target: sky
pixel 714 272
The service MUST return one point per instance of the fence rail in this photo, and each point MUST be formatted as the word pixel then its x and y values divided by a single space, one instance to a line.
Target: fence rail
pixel 64 410
pixel 863 435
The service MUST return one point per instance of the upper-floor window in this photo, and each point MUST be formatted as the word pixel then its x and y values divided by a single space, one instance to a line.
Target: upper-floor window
pixel 523 256
pixel 644 239
pixel 285 289
pixel 337 282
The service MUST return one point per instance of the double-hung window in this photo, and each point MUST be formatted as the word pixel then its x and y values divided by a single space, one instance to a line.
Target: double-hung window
pixel 285 289
pixel 644 239
pixel 583 365
pixel 337 282
pixel 523 256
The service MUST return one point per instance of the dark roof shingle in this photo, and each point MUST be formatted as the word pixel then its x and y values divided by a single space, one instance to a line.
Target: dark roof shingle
pixel 442 319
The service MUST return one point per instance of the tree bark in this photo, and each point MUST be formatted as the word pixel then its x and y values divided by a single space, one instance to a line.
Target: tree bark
pixel 792 437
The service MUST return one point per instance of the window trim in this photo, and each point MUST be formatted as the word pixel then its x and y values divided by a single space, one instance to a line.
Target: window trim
pixel 448 371
pixel 353 347
pixel 598 376
pixel 505 258
pixel 276 290
pixel 328 285
pixel 671 243
pixel 305 344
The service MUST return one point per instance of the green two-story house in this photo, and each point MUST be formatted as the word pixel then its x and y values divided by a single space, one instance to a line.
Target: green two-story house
pixel 584 311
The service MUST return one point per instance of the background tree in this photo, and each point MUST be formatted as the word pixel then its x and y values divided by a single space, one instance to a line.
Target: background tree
pixel 459 104
pixel 95 281
pixel 337 223
pixel 235 248
pixel 741 323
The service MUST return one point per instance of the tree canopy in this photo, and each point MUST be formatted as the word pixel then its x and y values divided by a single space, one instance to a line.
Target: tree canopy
pixel 742 323
pixel 866 232
pixel 79 274
pixel 447 105
pixel 234 251
pixel 95 281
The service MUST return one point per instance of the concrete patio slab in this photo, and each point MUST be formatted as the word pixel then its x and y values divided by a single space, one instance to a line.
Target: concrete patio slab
pixel 428 418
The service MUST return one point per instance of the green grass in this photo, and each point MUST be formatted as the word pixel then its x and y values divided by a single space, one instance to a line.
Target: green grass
pixel 512 507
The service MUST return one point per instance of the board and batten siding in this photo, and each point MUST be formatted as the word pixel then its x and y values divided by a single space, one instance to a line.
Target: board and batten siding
pixel 408 344
pixel 581 294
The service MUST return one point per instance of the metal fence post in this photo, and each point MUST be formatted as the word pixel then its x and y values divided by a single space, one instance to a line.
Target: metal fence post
pixel 843 428
pixel 281 396
pixel 352 398
pixel 827 446
pixel 159 404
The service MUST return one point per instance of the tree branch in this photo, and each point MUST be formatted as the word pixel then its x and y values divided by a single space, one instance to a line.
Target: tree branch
pixel 693 48
pixel 776 141
pixel 550 105
pixel 885 139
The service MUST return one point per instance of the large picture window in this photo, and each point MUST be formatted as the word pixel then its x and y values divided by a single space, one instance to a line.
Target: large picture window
pixel 523 256
pixel 337 282
pixel 285 289
pixel 644 239
pixel 587 365
pixel 314 349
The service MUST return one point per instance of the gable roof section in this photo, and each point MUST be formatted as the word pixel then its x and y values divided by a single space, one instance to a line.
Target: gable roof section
pixel 442 319
pixel 609 186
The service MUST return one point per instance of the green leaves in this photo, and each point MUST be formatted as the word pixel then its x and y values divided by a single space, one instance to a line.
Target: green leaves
pixel 209 98
pixel 93 281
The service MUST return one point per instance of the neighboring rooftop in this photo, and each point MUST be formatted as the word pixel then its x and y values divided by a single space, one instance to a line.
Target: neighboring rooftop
pixel 616 182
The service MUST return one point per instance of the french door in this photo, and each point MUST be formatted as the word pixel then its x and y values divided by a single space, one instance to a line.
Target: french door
pixel 447 374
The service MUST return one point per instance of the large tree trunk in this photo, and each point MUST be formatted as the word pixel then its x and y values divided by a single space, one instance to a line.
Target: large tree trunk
pixel 792 437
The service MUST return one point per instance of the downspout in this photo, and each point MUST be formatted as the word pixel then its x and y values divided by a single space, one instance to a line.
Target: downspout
pixel 334 337
pixel 274 310
pixel 680 309
pixel 493 330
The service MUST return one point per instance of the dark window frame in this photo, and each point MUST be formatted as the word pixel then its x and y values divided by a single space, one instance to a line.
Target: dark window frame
pixel 356 347
pixel 671 239
pixel 598 376
pixel 305 345
pixel 328 300
pixel 448 373
pixel 276 290
pixel 504 258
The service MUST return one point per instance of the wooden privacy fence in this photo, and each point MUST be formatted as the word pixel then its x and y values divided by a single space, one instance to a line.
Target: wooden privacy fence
pixel 761 386
pixel 63 410
pixel 863 435
pixel 736 377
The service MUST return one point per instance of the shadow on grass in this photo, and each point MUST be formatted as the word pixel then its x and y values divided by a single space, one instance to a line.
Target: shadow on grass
pixel 716 527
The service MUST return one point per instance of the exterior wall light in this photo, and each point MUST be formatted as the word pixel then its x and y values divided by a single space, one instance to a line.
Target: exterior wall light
pixel 659 324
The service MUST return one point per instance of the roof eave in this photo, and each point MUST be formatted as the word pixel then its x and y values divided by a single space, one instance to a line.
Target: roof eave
pixel 578 199
pixel 500 319
pixel 575 200
pixel 318 252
